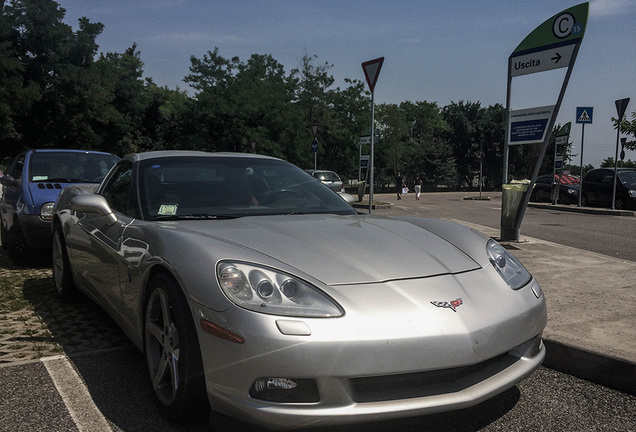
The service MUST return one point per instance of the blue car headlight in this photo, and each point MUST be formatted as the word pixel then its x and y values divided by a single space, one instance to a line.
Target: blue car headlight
pixel 508 267
pixel 46 211
pixel 269 291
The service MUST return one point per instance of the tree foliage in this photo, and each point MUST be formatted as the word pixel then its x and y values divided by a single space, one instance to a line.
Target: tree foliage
pixel 58 90
pixel 628 127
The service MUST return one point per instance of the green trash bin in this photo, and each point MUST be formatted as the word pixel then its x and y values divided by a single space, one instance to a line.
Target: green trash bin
pixel 511 198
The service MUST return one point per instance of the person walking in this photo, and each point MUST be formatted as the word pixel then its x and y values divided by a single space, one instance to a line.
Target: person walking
pixel 418 187
pixel 399 184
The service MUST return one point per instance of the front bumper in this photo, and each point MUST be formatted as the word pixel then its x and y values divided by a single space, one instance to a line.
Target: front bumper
pixel 375 368
pixel 36 231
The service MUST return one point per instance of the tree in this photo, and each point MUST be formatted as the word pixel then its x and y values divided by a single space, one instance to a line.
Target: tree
pixel 243 102
pixel 464 137
pixel 491 127
pixel 628 128
pixel 12 94
pixel 610 163
pixel 413 143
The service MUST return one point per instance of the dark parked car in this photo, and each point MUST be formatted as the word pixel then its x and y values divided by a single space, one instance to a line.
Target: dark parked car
pixel 30 187
pixel 545 186
pixel 599 183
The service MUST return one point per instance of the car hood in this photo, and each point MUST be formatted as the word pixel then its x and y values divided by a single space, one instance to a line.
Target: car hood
pixel 344 249
pixel 42 192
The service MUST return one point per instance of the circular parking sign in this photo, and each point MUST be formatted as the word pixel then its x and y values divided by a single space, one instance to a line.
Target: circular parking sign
pixel 562 26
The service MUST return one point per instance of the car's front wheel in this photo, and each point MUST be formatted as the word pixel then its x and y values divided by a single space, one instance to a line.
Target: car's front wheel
pixel 172 352
pixel 584 200
pixel 14 243
pixel 62 278
pixel 619 203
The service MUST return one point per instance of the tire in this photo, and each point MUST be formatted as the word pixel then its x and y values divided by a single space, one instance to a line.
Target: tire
pixel 172 352
pixel 62 277
pixel 619 203
pixel 584 201
pixel 17 248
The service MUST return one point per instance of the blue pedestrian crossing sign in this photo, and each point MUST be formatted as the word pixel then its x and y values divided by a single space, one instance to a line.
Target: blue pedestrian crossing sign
pixel 584 114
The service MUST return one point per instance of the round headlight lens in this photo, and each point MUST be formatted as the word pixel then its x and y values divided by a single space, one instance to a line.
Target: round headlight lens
pixel 233 280
pixel 46 211
pixel 508 267
pixel 265 289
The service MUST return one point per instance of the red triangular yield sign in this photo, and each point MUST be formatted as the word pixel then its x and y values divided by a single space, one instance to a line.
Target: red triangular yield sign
pixel 372 70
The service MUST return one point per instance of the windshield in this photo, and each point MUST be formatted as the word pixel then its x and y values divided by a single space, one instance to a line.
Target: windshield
pixel 627 177
pixel 70 167
pixel 224 186
pixel 327 176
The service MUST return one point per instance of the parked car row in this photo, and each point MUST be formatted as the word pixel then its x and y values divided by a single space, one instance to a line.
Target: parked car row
pixel 598 186
pixel 30 187
pixel 545 189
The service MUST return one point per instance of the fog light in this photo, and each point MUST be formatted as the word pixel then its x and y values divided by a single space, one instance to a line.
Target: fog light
pixel 274 384
pixel 285 390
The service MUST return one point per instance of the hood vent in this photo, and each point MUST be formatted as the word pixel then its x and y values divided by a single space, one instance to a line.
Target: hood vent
pixel 49 186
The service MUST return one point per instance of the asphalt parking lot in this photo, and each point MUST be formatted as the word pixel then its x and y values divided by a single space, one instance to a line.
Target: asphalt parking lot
pixel 108 378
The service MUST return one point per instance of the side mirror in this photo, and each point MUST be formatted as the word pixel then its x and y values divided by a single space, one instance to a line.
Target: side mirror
pixel 93 203
pixel 7 180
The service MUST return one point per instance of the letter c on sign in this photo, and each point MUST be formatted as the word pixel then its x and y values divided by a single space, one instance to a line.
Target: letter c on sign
pixel 562 26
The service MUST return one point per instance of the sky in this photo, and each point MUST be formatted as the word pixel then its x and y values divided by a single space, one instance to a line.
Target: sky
pixel 439 51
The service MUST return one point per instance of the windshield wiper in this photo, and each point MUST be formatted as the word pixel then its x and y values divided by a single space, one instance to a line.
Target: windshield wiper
pixel 196 216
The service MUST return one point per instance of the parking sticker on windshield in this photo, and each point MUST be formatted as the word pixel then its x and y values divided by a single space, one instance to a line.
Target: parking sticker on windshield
pixel 168 209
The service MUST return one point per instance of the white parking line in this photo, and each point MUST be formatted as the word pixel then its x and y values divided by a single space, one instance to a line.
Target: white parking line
pixel 75 395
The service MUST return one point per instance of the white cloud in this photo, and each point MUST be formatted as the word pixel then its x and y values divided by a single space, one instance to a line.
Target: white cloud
pixel 187 38
pixel 611 7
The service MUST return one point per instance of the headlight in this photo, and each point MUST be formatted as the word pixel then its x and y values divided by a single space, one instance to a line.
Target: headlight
pixel 508 267
pixel 269 291
pixel 46 211
pixel 632 193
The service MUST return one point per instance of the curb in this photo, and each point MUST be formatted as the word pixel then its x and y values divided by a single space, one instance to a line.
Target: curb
pixel 576 209
pixel 600 369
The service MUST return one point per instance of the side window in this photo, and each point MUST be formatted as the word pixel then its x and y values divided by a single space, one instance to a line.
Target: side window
pixel 117 190
pixel 16 169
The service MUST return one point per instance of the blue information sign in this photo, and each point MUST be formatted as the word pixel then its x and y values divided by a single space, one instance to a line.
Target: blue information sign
pixel 527 131
pixel 584 114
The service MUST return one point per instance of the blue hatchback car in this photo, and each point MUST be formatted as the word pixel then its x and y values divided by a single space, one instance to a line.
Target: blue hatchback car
pixel 30 187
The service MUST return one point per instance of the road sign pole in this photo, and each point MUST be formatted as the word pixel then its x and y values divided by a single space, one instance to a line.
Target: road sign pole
pixel 581 173
pixel 526 197
pixel 371 153
pixel 552 45
pixel 621 107
pixel 359 163
pixel 371 72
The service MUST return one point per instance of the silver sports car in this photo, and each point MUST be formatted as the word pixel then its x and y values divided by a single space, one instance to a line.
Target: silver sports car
pixel 255 290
